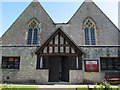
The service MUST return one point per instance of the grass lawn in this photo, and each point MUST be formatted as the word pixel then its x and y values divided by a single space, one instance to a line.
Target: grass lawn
pixel 17 87
pixel 82 88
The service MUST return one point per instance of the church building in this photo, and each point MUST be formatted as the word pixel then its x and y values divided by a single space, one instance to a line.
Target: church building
pixel 35 49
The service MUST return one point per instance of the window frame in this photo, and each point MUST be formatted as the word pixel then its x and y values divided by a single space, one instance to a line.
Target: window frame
pixel 78 63
pixel 107 63
pixel 29 38
pixel 35 37
pixel 40 65
pixel 33 27
pixel 86 25
pixel 7 65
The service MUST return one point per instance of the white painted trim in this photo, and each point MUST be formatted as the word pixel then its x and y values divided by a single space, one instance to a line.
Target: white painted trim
pixel 77 63
pixel 41 62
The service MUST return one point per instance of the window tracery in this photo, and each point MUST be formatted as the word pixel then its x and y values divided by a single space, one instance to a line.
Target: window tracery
pixel 89 32
pixel 32 37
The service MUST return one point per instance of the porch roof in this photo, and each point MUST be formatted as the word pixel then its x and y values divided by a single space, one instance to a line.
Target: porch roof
pixel 67 38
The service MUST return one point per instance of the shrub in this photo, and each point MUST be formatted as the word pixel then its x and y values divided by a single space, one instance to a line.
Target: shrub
pixel 102 86
pixel 107 85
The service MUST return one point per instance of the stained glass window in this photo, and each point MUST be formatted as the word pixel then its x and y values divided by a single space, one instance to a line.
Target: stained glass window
pixel 89 32
pixel 32 37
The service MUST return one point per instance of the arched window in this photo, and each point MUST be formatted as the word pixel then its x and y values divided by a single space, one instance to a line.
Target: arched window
pixel 89 32
pixel 32 37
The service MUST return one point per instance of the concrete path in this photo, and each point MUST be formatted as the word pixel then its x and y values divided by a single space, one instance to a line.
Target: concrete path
pixel 59 87
pixel 63 87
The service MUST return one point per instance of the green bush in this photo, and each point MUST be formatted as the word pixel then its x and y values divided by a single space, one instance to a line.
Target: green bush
pixel 98 87
pixel 107 85
pixel 102 86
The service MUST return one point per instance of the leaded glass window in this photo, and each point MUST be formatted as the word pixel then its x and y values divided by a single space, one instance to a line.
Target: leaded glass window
pixel 92 32
pixel 89 32
pixel 32 37
pixel 87 36
pixel 35 38
pixel 29 36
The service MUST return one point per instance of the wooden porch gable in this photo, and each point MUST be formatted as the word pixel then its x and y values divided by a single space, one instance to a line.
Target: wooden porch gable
pixel 59 44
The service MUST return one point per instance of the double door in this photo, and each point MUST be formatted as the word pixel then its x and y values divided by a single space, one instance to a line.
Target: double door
pixel 58 68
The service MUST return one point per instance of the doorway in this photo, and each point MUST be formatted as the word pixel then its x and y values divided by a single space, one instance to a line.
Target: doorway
pixel 58 68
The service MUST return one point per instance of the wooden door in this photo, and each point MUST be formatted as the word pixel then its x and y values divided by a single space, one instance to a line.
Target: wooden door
pixel 65 69
pixel 54 69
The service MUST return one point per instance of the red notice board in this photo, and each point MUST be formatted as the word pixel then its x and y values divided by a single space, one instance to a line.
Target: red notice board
pixel 91 65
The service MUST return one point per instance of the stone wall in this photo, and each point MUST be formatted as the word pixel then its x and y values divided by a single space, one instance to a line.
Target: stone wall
pixel 27 64
pixel 79 76
pixel 41 76
pixel 76 76
pixel 17 33
pixel 106 31
pixel 93 52
pixel 94 77
pixel 16 38
pixel 28 60
pixel 27 71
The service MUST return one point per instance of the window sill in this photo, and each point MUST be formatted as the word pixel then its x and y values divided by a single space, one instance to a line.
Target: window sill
pixel 110 70
pixel 10 69
pixel 91 71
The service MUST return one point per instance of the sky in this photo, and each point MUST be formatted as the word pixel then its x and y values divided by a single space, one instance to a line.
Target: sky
pixel 59 10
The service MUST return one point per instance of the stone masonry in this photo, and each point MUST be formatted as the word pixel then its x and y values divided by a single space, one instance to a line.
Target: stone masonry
pixel 15 38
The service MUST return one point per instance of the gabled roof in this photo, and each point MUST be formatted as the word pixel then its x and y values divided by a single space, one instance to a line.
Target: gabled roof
pixel 69 40
pixel 33 3
pixel 90 1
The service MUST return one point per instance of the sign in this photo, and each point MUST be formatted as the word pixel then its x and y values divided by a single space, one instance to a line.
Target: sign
pixel 91 65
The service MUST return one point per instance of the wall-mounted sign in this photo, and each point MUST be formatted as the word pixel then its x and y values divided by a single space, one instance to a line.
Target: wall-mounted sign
pixel 91 65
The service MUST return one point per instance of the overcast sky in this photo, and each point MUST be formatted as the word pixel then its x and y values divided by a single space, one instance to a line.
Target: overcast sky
pixel 59 10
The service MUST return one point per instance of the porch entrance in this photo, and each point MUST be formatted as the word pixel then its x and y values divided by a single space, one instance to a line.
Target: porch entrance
pixel 58 69
pixel 59 54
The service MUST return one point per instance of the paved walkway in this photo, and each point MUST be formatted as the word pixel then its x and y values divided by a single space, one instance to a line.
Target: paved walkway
pixel 59 87
pixel 62 87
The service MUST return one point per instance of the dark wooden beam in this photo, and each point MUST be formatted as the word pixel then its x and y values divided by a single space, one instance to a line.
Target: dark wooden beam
pixel 55 45
pixel 70 49
pixel 64 48
pixel 47 49
pixel 58 42
pixel 59 54
pixel 38 62
pixel 53 49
